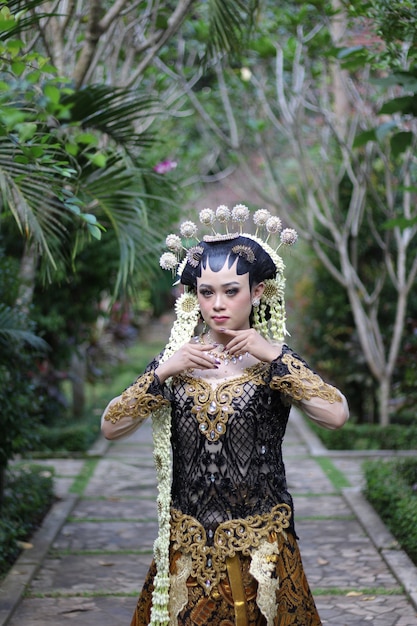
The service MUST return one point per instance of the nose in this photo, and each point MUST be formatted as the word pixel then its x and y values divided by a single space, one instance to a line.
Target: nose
pixel 218 302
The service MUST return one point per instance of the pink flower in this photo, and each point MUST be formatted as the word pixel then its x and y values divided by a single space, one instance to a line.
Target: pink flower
pixel 165 166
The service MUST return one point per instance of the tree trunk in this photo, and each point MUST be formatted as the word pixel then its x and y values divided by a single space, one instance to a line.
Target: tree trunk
pixel 384 398
pixel 27 274
pixel 2 485
pixel 77 375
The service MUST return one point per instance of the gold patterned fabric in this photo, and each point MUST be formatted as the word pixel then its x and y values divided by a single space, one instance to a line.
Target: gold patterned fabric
pixel 213 406
pixel 137 401
pixel 209 563
pixel 301 383
pixel 293 600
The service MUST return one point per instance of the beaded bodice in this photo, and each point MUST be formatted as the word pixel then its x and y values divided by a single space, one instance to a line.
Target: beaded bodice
pixel 227 460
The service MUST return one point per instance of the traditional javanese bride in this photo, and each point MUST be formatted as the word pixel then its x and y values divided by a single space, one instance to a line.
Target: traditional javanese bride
pixel 226 552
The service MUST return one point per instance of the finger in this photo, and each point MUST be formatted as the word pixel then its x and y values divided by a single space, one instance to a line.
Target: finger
pixel 205 361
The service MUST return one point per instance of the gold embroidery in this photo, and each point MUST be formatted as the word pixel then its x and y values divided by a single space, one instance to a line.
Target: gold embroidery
pixel 135 402
pixel 262 569
pixel 303 384
pixel 178 592
pixel 239 535
pixel 212 407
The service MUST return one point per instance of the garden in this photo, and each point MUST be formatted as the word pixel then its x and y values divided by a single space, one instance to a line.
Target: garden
pixel 104 148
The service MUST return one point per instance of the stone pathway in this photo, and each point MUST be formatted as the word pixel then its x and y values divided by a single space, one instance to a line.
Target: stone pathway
pixel 90 566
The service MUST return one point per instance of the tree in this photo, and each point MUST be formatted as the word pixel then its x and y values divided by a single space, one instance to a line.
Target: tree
pixel 73 157
pixel 349 168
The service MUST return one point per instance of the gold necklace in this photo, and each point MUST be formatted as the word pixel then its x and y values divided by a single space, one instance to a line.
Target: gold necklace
pixel 222 355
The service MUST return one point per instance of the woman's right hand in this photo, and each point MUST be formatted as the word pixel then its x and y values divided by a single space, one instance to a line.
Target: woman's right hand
pixel 189 356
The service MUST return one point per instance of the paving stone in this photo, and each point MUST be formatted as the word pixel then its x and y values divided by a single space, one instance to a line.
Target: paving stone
pixel 104 548
pixel 98 611
pixel 304 475
pixel 105 573
pixel 339 554
pixel 324 506
pixel 117 508
pixel 106 536
pixel 357 611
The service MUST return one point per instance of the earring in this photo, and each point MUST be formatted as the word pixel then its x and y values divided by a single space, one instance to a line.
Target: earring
pixel 256 302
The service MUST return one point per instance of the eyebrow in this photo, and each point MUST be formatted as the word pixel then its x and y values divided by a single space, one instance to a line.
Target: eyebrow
pixel 224 285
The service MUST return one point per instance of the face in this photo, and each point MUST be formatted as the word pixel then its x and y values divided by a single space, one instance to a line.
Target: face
pixel 225 298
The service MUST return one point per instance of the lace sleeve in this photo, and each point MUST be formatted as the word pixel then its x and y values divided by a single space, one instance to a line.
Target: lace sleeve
pixel 293 377
pixel 126 412
pixel 139 400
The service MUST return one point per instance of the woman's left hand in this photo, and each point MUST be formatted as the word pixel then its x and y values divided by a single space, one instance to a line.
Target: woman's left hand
pixel 249 340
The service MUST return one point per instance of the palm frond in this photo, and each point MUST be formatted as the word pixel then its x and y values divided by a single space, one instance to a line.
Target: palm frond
pixel 230 24
pixel 115 111
pixel 26 20
pixel 120 202
pixel 13 330
pixel 30 192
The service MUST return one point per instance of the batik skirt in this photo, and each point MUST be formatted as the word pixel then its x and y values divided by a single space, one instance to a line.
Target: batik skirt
pixel 235 599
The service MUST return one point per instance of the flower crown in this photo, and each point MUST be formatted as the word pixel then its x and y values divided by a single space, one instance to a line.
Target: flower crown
pixel 239 215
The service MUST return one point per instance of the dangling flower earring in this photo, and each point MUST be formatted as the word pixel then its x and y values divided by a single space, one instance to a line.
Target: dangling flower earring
pixel 256 302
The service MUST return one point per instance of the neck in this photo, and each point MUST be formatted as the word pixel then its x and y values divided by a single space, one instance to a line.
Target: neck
pixel 216 338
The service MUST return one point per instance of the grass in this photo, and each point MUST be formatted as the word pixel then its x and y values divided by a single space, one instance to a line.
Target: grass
pixel 71 437
pixel 336 477
pixel 83 478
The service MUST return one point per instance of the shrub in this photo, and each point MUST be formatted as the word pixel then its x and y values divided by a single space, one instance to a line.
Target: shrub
pixel 391 488
pixel 368 437
pixel 28 496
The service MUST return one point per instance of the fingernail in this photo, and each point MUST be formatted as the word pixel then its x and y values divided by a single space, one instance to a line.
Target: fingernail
pixel 217 361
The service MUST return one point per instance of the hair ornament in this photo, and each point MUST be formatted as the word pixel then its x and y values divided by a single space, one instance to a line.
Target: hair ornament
pixel 245 252
pixel 168 261
pixel 174 243
pixel 273 225
pixel 240 213
pixel 207 217
pixel 289 236
pixel 187 305
pixel 220 237
pixel 194 255
pixel 188 229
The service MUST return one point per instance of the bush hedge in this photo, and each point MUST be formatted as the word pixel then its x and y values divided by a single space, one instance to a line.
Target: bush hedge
pixel 391 488
pixel 368 437
pixel 28 496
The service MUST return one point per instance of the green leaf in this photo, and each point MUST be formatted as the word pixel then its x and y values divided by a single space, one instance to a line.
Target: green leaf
pixel 403 104
pixel 52 93
pixel 347 52
pixel 18 67
pixel 400 142
pixel 98 159
pixel 89 218
pixel 384 129
pixel 399 222
pixel 26 131
pixel 72 149
pixel 87 138
pixel 363 138
pixel 94 231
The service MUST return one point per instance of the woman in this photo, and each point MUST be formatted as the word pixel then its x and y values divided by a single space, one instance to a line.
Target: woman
pixel 226 553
